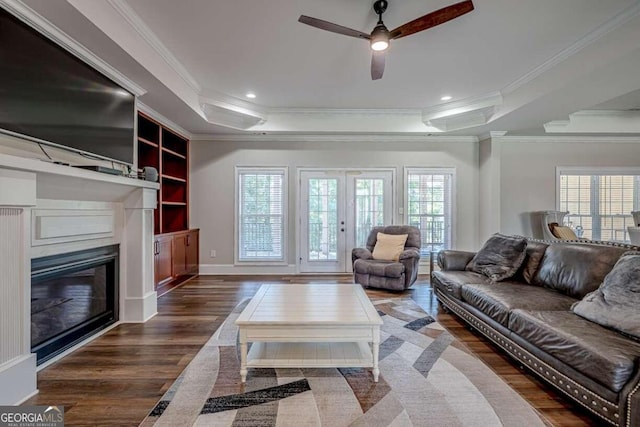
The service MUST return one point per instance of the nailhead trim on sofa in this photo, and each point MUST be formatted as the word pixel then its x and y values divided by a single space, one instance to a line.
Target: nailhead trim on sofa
pixel 606 410
pixel 635 389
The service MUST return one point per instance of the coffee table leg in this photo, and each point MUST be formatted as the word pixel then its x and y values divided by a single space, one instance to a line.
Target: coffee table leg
pixel 243 356
pixel 376 348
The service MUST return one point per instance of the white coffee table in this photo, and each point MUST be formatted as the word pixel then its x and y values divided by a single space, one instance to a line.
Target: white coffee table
pixel 309 326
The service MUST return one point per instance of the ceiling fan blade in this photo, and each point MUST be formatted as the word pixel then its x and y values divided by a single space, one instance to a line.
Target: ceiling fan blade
pixel 377 64
pixel 334 28
pixel 433 19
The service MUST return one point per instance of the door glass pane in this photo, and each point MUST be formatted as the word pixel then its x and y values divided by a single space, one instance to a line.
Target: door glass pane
pixel 369 207
pixel 323 219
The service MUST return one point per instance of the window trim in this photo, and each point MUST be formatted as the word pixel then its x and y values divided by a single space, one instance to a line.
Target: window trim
pixel 592 171
pixel 240 170
pixel 432 171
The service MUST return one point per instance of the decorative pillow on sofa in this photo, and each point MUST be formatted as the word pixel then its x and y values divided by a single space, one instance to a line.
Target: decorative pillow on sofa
pixel 563 232
pixel 389 246
pixel 532 259
pixel 500 257
pixel 615 303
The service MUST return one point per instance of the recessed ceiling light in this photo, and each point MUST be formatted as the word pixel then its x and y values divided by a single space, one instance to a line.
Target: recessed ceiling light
pixel 250 95
pixel 445 98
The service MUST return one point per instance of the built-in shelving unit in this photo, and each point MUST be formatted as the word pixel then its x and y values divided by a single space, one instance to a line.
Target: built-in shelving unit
pixel 175 246
pixel 168 152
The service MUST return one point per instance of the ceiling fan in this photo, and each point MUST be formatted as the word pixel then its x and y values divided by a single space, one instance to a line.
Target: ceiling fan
pixel 381 36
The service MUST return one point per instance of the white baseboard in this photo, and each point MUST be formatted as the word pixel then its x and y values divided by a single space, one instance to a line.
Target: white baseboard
pixel 139 310
pixel 18 377
pixel 231 270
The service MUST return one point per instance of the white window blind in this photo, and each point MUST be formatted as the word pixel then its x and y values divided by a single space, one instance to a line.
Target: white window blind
pixel 599 202
pixel 261 214
pixel 429 206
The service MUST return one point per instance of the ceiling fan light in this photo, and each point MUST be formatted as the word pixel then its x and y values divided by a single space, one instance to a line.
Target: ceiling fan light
pixel 380 38
pixel 379 45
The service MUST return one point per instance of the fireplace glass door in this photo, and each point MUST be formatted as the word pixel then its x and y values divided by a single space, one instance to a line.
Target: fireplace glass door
pixel 72 296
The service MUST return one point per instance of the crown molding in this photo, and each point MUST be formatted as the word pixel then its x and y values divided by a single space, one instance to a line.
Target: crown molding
pixel 557 139
pixel 227 111
pixel 136 23
pixel 362 112
pixel 491 135
pixel 230 117
pixel 461 106
pixel 275 137
pixel 211 96
pixel 42 25
pixel 463 114
pixel 165 121
pixel 594 35
pixel 597 122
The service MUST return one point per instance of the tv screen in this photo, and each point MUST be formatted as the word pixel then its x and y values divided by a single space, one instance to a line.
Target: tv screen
pixel 49 95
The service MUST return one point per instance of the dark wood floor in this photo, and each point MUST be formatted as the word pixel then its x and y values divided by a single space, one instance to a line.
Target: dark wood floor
pixel 118 378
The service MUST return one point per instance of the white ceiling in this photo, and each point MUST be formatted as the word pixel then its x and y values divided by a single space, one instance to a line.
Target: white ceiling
pixel 509 65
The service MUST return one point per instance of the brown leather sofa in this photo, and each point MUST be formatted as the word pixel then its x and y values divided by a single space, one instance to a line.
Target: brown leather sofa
pixel 529 316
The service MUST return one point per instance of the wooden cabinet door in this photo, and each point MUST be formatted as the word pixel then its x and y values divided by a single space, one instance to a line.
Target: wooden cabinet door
pixel 179 254
pixel 162 259
pixel 193 260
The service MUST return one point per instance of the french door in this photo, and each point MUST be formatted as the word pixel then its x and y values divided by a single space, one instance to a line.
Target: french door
pixel 337 209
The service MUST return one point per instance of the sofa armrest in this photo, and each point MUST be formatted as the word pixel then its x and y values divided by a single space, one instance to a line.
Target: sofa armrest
pixel 454 260
pixel 410 253
pixel 410 258
pixel 360 253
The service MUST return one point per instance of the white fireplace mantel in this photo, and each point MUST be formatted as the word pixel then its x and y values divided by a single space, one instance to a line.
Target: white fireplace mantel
pixel 47 209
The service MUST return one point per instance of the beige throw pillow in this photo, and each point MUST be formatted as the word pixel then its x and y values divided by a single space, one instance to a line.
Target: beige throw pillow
pixel 389 246
pixel 564 233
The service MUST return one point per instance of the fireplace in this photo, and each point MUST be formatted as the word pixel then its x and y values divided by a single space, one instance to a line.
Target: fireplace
pixel 73 296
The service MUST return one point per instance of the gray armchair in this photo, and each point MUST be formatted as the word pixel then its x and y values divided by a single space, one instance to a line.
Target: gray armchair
pixel 391 275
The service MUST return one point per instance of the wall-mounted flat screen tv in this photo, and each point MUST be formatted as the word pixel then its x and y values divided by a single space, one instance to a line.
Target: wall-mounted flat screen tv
pixel 49 95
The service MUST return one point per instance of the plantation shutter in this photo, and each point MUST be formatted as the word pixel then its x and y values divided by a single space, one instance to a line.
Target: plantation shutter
pixel 261 215
pixel 429 207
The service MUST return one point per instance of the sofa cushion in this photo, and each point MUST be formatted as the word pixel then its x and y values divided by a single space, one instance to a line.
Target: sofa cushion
pixel 576 269
pixel 389 246
pixel 599 353
pixel 378 268
pixel 615 303
pixel 451 282
pixel 500 257
pixel 497 300
pixel 533 257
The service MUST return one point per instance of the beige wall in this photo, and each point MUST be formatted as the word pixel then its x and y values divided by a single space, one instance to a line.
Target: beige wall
pixel 528 173
pixel 500 181
pixel 212 180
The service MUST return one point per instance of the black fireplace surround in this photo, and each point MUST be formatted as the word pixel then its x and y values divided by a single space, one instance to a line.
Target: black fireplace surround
pixel 73 296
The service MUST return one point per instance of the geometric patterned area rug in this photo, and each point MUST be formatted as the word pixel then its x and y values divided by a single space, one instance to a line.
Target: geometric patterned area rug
pixel 427 378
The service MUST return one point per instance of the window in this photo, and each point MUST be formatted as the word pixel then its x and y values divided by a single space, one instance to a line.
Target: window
pixel 429 206
pixel 261 214
pixel 599 202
